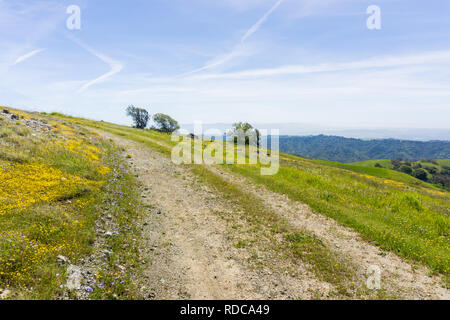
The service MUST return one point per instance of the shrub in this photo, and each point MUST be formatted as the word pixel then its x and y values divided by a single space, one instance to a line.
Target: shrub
pixel 421 174
pixel 406 169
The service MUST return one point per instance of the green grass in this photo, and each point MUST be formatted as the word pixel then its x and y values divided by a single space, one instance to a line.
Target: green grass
pixel 296 243
pixel 410 222
pixel 388 208
pixel 371 163
pixel 388 164
pixel 378 172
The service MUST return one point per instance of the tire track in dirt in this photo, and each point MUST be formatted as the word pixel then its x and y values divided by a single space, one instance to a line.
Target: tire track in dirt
pixel 190 247
pixel 399 277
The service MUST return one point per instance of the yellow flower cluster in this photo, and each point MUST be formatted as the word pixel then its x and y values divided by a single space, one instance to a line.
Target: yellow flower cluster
pixel 91 152
pixel 22 185
pixel 394 183
pixel 21 254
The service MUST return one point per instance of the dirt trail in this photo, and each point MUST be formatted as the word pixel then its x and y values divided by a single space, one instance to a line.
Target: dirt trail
pixel 192 255
pixel 189 246
pixel 399 278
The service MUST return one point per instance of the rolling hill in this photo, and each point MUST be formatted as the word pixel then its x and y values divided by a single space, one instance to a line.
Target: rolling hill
pixel 433 171
pixel 347 150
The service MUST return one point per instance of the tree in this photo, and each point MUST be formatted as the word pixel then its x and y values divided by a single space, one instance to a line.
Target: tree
pixel 140 116
pixel 165 123
pixel 421 174
pixel 406 169
pixel 245 126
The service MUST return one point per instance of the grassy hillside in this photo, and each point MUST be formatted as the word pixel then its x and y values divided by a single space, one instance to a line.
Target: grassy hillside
pixel 347 150
pixel 394 210
pixel 432 171
pixel 54 178
pixel 391 209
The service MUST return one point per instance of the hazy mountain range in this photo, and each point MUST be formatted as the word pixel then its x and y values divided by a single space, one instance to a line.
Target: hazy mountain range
pixel 298 129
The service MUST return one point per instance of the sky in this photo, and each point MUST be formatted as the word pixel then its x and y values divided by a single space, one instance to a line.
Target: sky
pixel 223 61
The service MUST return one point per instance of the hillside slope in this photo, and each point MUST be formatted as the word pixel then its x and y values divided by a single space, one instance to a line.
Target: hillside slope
pixel 313 230
pixel 64 195
pixel 347 150
pixel 405 216
pixel 432 171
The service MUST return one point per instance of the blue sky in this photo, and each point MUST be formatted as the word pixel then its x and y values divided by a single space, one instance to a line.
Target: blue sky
pixel 263 61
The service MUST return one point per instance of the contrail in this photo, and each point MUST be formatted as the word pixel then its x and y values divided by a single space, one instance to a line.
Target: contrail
pixel 233 53
pixel 116 66
pixel 27 56
pixel 257 25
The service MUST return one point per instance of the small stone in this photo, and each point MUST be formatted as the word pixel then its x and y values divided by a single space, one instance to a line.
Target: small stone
pixel 158 211
pixel 5 294
pixel 107 253
pixel 74 278
pixel 62 259
pixel 108 234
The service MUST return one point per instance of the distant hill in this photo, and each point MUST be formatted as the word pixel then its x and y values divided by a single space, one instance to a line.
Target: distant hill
pixel 348 150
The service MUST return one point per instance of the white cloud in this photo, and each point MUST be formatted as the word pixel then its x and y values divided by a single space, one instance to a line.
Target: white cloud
pixel 237 51
pixel 27 56
pixel 115 66
pixel 378 62
pixel 263 19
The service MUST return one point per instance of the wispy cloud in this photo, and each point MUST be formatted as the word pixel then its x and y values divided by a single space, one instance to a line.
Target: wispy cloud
pixel 378 62
pixel 115 65
pixel 238 48
pixel 27 56
pixel 258 24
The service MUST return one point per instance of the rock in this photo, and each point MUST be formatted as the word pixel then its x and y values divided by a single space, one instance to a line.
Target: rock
pixel 107 253
pixel 62 259
pixel 74 278
pixel 5 111
pixel 5 294
pixel 109 234
pixel 159 211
